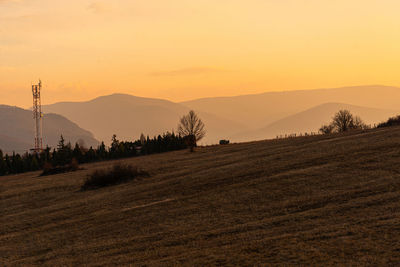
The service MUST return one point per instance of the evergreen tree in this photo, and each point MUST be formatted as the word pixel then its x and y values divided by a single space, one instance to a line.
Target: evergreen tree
pixel 34 166
pixel 78 153
pixel 61 143
pixel 3 166
pixel 142 139
pixel 114 146
pixel 7 161
pixel 91 155
pixel 101 151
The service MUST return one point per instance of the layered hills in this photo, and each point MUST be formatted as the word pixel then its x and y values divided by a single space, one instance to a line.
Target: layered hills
pixel 128 116
pixel 17 130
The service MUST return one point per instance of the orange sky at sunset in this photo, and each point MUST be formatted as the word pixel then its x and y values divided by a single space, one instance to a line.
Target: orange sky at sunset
pixel 185 49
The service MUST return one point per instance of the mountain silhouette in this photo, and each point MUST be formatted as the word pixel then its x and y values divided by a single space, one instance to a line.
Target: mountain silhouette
pixel 257 115
pixel 256 111
pixel 17 130
pixel 128 116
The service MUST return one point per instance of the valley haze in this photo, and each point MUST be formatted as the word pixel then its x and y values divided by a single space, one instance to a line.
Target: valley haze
pixel 238 118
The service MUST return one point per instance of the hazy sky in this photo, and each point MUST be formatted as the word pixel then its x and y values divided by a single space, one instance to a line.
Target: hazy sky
pixel 184 49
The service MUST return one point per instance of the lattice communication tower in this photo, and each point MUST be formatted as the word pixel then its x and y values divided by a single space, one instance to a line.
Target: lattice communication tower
pixel 37 116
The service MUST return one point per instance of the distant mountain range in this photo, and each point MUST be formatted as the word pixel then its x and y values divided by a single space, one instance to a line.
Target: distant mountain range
pixel 259 110
pixel 128 116
pixel 17 130
pixel 239 118
pixel 312 119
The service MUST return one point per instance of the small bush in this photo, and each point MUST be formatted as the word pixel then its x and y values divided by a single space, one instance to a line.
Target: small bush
pixel 74 165
pixel 223 142
pixel 48 169
pixel 119 173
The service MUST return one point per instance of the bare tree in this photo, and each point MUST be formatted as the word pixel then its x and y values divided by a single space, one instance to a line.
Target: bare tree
pixel 192 128
pixel 343 121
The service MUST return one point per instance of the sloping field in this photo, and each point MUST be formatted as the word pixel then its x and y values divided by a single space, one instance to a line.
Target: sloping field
pixel 322 200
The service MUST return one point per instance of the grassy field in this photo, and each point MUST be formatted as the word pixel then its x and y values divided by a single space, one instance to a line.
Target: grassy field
pixel 324 200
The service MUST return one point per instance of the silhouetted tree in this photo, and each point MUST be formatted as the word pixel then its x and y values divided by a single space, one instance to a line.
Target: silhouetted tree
pixel 343 121
pixel 114 146
pixel 101 151
pixel 191 128
pixel 7 161
pixel 77 153
pixel 34 164
pixel 90 155
pixel 3 166
pixel 142 139
pixel 61 143
pixel 81 144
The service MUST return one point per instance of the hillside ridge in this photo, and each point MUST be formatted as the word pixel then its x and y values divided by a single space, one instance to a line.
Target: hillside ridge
pixel 319 200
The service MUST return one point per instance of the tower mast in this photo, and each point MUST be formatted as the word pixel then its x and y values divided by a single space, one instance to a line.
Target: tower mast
pixel 37 116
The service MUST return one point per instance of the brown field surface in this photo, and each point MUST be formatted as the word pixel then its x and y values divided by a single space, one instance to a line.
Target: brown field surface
pixel 322 200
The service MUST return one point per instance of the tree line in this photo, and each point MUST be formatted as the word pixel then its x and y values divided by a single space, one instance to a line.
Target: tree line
pixel 190 131
pixel 65 152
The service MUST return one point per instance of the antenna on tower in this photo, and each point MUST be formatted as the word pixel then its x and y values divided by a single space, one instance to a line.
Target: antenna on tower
pixel 37 116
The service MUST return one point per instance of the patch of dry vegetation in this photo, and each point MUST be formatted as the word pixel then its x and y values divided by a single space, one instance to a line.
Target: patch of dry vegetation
pixel 48 169
pixel 117 174
pixel 326 200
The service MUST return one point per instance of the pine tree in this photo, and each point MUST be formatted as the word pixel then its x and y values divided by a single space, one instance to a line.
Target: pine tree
pixel 3 166
pixel 142 139
pixel 7 161
pixel 77 153
pixel 61 143
pixel 114 146
pixel 101 151
pixel 34 164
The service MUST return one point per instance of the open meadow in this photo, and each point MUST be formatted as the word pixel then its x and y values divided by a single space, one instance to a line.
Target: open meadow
pixel 326 200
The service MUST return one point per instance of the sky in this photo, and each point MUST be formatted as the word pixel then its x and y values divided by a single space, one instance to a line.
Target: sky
pixel 187 49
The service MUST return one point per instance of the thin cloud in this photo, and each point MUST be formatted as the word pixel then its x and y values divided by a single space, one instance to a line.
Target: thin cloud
pixel 186 71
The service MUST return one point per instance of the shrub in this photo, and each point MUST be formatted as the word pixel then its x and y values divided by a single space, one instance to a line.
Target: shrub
pixel 119 173
pixel 48 169
pixel 74 164
pixel 394 121
pixel 326 129
pixel 223 142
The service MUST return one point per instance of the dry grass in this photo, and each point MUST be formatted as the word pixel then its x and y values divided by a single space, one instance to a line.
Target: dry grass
pixel 324 200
